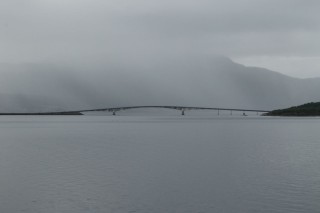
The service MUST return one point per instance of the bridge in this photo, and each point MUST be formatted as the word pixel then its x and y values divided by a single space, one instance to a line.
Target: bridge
pixel 182 109
pixel 114 110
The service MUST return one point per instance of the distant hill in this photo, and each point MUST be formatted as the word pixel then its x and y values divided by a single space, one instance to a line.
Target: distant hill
pixel 309 109
pixel 208 81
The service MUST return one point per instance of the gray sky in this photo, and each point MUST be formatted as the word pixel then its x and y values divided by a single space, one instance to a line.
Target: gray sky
pixel 282 35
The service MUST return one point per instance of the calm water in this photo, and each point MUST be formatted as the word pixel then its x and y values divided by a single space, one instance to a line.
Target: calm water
pixel 159 164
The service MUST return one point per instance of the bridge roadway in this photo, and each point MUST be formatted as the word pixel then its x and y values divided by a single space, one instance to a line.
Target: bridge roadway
pixel 116 109
pixel 180 108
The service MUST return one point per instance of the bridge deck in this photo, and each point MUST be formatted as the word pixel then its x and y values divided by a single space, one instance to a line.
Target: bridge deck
pixel 115 109
pixel 175 108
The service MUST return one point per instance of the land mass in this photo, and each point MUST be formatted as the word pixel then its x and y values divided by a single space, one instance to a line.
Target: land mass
pixel 309 109
pixel 46 113
pixel 201 80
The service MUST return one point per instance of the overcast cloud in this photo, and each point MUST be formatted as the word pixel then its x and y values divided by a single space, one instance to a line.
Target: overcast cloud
pixel 282 35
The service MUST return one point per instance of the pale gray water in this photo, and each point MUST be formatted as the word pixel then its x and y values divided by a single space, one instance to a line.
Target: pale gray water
pixel 159 164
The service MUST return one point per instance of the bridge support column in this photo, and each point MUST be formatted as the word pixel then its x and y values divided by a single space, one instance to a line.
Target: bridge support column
pixel 113 112
pixel 182 112
pixel 231 112
pixel 218 112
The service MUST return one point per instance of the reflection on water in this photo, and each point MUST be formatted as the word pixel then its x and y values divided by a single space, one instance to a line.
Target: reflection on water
pixel 159 164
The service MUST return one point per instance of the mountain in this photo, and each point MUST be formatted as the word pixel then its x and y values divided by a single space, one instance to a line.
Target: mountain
pixel 309 109
pixel 209 81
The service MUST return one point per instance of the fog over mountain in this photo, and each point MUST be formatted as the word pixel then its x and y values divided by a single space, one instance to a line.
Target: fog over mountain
pixel 209 81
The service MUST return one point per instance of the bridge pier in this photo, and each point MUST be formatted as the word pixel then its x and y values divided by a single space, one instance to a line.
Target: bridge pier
pixel 113 112
pixel 231 112
pixel 182 112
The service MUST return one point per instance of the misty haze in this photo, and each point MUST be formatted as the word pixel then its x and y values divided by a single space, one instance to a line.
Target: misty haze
pixel 176 106
pixel 208 81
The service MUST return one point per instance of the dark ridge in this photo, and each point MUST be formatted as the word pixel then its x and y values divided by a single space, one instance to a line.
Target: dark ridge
pixel 308 109
pixel 45 113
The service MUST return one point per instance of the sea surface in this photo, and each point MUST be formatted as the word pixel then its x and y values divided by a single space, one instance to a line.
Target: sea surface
pixel 171 164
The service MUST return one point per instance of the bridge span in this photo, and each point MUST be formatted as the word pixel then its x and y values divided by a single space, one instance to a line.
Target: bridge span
pixel 114 110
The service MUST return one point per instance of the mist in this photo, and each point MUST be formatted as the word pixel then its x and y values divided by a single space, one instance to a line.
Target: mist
pixel 59 55
pixel 189 80
pixel 252 32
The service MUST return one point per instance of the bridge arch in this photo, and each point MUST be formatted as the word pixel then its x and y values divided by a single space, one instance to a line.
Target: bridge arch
pixel 114 110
